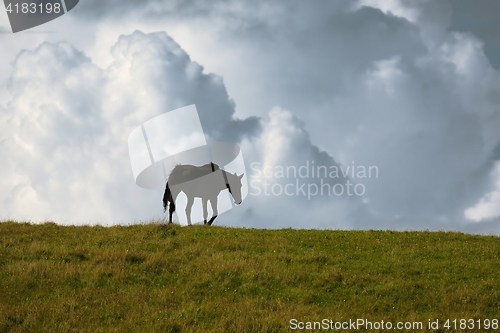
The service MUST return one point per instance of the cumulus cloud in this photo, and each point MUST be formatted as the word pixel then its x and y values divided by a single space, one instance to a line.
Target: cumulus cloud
pixel 294 183
pixel 488 206
pixel 416 99
pixel 404 85
pixel 388 86
pixel 65 126
pixel 477 18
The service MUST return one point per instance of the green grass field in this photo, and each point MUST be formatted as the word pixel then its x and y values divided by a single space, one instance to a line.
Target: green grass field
pixel 159 278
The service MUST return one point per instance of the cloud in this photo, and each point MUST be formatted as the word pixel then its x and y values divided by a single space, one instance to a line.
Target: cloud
pixel 392 88
pixel 421 109
pixel 155 69
pixel 66 123
pixel 293 182
pixel 480 20
pixel 488 206
pixel 403 87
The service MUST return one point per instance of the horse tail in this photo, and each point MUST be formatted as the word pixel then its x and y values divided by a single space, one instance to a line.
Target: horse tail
pixel 167 196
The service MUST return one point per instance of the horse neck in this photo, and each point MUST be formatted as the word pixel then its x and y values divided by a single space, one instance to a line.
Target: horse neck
pixel 227 176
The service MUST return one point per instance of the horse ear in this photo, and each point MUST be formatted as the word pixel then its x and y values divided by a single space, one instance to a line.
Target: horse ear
pixel 241 176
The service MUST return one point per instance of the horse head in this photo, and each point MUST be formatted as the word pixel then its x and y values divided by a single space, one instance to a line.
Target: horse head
pixel 235 187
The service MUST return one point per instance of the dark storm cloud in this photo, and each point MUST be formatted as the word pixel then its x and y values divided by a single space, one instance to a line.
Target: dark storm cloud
pixel 151 9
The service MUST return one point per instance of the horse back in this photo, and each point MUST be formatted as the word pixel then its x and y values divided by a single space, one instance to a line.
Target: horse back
pixel 186 172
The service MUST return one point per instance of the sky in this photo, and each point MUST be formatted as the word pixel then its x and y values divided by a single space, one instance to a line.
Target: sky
pixel 406 89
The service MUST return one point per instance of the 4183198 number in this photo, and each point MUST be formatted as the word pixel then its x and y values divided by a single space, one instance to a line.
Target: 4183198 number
pixel 34 8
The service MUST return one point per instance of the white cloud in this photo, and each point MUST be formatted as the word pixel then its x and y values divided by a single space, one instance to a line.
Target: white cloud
pixel 397 91
pixel 65 125
pixel 286 188
pixel 489 205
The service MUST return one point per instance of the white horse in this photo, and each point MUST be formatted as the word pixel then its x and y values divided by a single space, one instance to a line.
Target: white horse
pixel 201 182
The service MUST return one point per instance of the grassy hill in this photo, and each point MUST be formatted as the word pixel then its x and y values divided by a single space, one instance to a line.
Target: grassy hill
pixel 159 278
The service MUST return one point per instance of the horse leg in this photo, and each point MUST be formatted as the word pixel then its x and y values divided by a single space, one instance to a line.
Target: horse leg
pixel 173 196
pixel 213 203
pixel 188 208
pixel 205 210
pixel 171 211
